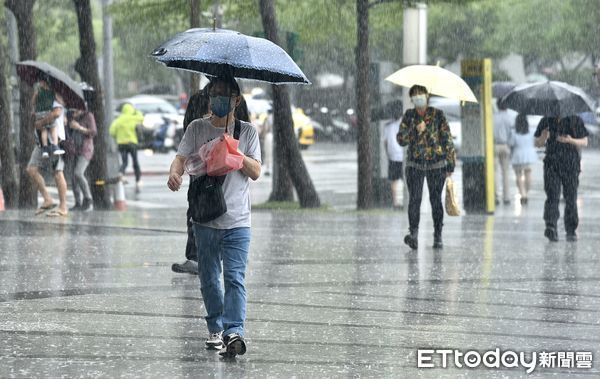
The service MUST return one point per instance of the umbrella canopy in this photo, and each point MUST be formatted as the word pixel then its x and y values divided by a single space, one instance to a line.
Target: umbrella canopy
pixel 549 99
pixel 61 83
pixel 437 80
pixel 223 52
pixel 500 89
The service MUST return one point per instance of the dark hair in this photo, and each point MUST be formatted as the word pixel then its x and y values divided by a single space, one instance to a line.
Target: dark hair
pixel 416 89
pixel 521 124
pixel 228 81
pixel 197 107
pixel 501 105
pixel 241 111
pixel 42 76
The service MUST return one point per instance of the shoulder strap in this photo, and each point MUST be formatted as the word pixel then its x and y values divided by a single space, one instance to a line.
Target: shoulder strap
pixel 237 130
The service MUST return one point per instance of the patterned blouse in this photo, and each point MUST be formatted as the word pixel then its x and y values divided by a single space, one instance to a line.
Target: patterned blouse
pixel 434 147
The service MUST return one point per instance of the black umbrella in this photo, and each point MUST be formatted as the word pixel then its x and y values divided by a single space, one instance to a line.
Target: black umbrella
pixel 548 99
pixel 500 89
pixel 61 83
pixel 224 52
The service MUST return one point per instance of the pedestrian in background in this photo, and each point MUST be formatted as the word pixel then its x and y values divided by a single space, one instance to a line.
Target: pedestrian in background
pixel 83 130
pixel 503 126
pixel 523 155
pixel 395 155
pixel 37 161
pixel 563 137
pixel 124 131
pixel 430 154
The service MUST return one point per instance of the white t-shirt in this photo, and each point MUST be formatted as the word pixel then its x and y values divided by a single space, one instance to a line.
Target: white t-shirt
pixel 395 152
pixel 236 187
pixel 59 122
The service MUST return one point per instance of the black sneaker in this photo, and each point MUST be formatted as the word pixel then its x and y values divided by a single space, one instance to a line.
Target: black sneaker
pixel 87 205
pixel 76 207
pixel 411 241
pixel 187 267
pixel 46 152
pixel 572 237
pixel 551 234
pixel 234 345
pixel 56 150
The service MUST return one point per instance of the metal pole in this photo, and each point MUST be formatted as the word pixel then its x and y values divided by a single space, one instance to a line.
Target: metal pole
pixel 414 51
pixel 107 59
pixel 13 53
pixel 194 23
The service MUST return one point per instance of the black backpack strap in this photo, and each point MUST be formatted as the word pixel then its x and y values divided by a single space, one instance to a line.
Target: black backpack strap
pixel 237 130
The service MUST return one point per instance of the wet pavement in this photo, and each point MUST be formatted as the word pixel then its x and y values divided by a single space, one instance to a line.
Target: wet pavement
pixel 331 293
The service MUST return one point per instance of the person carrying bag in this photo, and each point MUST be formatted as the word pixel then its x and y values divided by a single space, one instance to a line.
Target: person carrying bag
pixel 223 242
pixel 205 194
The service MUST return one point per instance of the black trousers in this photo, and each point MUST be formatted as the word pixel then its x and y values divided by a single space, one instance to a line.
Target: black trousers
pixel 435 182
pixel 190 248
pixel 126 150
pixel 556 177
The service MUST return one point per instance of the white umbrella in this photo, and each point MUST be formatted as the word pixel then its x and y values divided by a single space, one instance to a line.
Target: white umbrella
pixel 436 79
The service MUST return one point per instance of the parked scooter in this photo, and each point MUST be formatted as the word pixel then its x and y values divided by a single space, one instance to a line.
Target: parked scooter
pixel 164 138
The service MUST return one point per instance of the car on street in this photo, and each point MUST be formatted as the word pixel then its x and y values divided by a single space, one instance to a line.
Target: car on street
pixel 304 127
pixel 451 109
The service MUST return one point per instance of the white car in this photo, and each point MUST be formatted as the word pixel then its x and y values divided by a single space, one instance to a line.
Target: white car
pixel 451 109
pixel 157 113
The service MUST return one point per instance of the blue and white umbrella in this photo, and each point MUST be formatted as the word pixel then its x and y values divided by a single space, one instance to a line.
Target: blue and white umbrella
pixel 222 52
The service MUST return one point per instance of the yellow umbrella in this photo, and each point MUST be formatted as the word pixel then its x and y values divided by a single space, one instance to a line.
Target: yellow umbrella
pixel 437 80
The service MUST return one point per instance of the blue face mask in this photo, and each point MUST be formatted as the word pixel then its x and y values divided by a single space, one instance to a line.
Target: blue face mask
pixel 220 105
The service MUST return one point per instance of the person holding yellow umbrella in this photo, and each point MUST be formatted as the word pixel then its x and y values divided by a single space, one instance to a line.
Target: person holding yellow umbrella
pixel 430 155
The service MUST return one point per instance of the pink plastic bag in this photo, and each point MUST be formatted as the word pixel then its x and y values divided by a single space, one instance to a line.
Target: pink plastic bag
pixel 195 164
pixel 224 157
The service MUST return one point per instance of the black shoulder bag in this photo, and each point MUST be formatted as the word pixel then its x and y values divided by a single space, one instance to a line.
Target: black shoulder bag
pixel 205 194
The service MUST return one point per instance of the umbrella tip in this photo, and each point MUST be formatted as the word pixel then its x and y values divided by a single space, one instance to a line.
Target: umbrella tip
pixel 158 52
pixel 214 24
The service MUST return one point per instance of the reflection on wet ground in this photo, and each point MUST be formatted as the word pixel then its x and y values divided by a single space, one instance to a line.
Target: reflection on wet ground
pixel 331 294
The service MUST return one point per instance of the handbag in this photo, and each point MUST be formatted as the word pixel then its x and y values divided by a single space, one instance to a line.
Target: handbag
pixel 205 195
pixel 452 208
pixel 206 198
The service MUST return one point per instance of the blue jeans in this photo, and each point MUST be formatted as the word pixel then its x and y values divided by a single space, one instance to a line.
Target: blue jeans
pixel 225 312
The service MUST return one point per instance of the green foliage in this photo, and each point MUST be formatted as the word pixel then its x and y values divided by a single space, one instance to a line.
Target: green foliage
pixel 324 32
pixel 57 33
pixel 467 30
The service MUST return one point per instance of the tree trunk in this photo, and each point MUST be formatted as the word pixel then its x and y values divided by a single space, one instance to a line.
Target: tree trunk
pixel 365 161
pixel 7 154
pixel 23 12
pixel 288 158
pixel 87 67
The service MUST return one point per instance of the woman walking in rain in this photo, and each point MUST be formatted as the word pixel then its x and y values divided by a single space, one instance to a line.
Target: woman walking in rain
pixel 431 156
pixel 222 244
pixel 523 155
pixel 563 138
